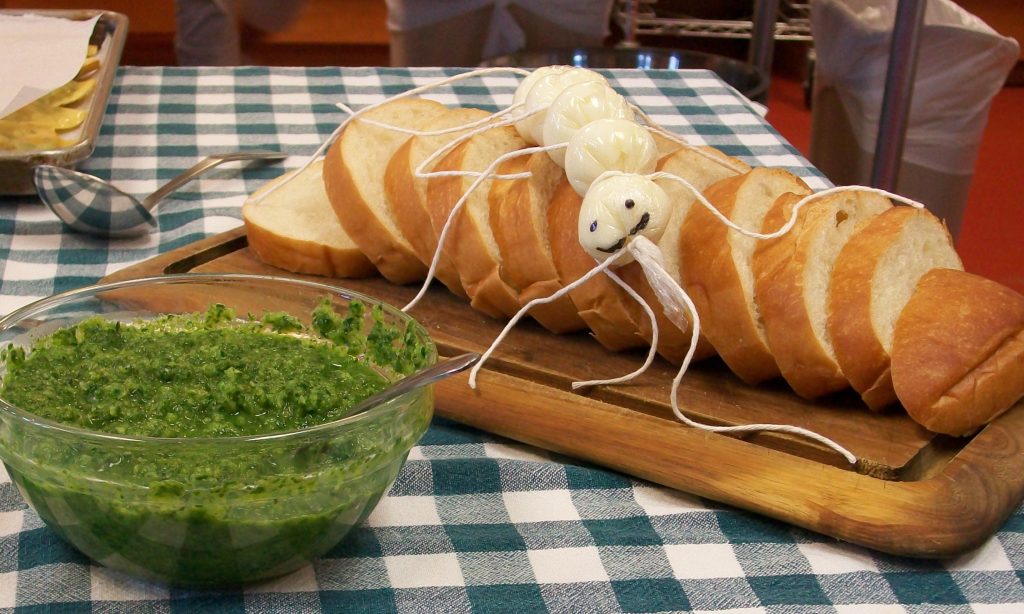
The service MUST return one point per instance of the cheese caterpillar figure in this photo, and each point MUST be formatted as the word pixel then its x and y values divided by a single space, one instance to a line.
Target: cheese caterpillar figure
pixel 574 116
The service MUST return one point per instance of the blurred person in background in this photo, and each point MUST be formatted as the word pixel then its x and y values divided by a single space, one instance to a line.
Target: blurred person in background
pixel 208 30
pixel 464 32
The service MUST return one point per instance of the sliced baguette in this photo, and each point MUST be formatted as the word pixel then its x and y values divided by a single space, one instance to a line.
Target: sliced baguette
pixel 874 276
pixel 700 172
pixel 792 279
pixel 408 193
pixel 519 221
pixel 354 177
pixel 611 314
pixel 470 243
pixel 718 274
pixel 958 351
pixel 295 229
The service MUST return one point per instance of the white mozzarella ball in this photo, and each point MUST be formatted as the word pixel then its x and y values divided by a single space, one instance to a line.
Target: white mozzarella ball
pixel 528 82
pixel 618 208
pixel 609 145
pixel 578 106
pixel 543 91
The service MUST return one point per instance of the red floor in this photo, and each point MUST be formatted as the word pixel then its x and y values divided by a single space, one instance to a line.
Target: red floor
pixel 991 240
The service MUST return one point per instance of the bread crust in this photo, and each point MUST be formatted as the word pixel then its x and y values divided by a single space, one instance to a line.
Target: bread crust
pixel 610 313
pixel 674 342
pixel 781 268
pixel 859 351
pixel 479 265
pixel 389 251
pixel 408 194
pixel 519 223
pixel 712 279
pixel 958 351
pixel 308 257
pixel 399 184
pixel 293 253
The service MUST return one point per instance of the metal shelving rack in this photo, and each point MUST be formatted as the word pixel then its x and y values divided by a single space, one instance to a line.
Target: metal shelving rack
pixel 770 21
pixel 639 17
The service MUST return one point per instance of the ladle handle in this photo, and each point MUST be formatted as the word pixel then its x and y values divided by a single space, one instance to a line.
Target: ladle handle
pixel 204 165
pixel 435 373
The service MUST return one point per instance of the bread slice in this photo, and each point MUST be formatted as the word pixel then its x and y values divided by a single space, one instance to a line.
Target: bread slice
pixel 665 145
pixel 792 279
pixel 354 176
pixel 612 315
pixel 408 193
pixel 470 243
pixel 873 278
pixel 519 221
pixel 295 229
pixel 718 274
pixel 673 342
pixel 958 351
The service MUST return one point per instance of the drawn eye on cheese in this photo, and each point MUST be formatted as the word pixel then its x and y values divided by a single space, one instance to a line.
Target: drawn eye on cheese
pixel 577 106
pixel 616 209
pixel 608 145
pixel 541 95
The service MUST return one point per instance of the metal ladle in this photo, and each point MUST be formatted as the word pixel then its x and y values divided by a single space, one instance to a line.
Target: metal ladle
pixel 424 377
pixel 93 206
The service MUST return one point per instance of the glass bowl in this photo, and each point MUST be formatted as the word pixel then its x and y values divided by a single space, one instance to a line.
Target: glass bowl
pixel 210 511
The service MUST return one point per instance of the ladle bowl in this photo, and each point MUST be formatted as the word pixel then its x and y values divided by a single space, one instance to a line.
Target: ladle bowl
pixel 90 205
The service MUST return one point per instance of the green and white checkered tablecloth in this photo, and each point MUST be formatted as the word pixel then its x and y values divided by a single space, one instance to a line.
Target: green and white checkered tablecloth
pixel 473 523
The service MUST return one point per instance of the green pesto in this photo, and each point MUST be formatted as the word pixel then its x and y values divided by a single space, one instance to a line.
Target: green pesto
pixel 195 375
pixel 211 514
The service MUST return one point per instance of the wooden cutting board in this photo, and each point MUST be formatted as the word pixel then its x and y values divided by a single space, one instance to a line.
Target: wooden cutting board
pixel 911 493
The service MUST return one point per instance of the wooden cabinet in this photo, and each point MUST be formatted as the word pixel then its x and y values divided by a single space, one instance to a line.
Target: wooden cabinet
pixel 326 33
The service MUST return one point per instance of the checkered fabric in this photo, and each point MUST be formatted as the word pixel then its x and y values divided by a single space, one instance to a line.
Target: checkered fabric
pixel 473 522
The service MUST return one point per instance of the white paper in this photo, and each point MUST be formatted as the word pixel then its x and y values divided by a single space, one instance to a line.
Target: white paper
pixel 38 55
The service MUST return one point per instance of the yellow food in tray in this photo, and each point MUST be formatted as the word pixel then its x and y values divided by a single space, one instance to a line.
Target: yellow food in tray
pixel 23 136
pixel 69 93
pixel 38 124
pixel 61 119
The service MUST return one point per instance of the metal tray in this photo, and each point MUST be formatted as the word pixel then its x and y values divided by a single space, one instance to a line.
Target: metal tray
pixel 111 33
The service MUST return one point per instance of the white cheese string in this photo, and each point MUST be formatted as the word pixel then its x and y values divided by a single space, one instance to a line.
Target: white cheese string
pixel 649 257
pixel 421 171
pixel 563 291
pixel 676 138
pixel 459 204
pixel 412 92
pixel 448 146
pixel 793 214
pixel 654 339
pixel 442 131
pixel 674 301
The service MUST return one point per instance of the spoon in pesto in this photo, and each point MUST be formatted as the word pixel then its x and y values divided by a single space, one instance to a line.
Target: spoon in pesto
pixel 423 377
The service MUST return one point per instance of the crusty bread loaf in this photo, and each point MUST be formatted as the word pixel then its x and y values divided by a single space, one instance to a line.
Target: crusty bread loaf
pixel 792 279
pixel 519 221
pixel 958 351
pixel 874 277
pixel 408 193
pixel 608 310
pixel 354 179
pixel 700 172
pixel 470 243
pixel 295 229
pixel 718 275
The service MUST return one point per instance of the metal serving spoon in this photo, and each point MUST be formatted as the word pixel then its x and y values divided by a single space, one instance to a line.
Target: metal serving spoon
pixel 435 373
pixel 91 205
